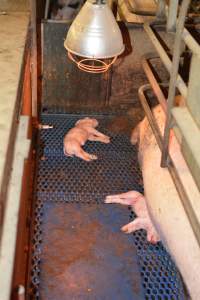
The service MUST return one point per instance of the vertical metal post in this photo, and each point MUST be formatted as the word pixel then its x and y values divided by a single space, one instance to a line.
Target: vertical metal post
pixel 34 58
pixel 173 78
pixel 46 9
pixel 172 15
pixel 160 15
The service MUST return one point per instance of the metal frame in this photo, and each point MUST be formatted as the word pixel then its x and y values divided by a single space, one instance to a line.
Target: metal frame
pixel 183 184
pixel 182 35
pixel 34 54
pixel 173 78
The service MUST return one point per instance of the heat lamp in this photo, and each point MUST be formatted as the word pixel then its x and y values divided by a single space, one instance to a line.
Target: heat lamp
pixel 94 40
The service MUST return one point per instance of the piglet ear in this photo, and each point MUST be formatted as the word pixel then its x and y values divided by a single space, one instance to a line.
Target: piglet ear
pixel 96 122
pixel 77 122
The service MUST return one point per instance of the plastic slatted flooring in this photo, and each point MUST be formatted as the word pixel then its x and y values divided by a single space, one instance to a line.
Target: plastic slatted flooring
pixel 66 182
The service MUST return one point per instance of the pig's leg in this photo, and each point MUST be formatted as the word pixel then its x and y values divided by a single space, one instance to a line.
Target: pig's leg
pixel 125 198
pixel 141 211
pixel 65 152
pixel 142 223
pixel 103 137
pixel 135 135
pixel 98 139
pixel 84 155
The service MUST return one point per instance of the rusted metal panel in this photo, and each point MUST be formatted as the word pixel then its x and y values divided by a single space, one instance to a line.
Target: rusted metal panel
pixel 89 258
pixel 63 83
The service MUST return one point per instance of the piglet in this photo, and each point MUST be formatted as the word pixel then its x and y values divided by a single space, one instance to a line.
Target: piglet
pixel 138 203
pixel 76 137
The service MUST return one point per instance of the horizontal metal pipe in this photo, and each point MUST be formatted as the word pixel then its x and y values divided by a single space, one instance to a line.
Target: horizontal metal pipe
pixel 165 59
pixel 155 86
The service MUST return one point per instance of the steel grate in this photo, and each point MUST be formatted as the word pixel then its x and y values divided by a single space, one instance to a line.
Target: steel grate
pixel 53 138
pixel 65 181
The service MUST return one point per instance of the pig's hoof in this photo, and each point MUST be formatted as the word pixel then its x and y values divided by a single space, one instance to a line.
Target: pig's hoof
pixel 134 137
pixel 108 200
pixel 126 229
pixel 107 140
pixel 93 157
pixel 153 238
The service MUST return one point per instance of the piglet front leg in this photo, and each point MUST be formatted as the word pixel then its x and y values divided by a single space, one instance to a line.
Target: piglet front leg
pixel 85 156
pixel 142 223
pixel 138 203
pixel 124 198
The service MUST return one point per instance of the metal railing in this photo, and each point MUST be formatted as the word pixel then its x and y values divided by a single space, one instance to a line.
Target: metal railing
pixel 184 119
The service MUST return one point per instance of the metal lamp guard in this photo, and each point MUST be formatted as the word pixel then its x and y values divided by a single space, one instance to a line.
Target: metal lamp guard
pixel 97 66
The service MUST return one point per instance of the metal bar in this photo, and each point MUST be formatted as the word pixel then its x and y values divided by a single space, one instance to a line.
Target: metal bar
pixel 149 114
pixel 172 15
pixel 46 9
pixel 173 78
pixel 165 59
pixel 34 59
pixel 161 10
pixel 109 75
pixel 172 169
pixel 155 86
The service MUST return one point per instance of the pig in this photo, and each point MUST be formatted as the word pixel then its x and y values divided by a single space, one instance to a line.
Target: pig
pixel 138 203
pixel 65 13
pixel 164 204
pixel 67 10
pixel 76 137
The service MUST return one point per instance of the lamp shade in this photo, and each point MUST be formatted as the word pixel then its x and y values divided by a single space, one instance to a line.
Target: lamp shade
pixel 94 33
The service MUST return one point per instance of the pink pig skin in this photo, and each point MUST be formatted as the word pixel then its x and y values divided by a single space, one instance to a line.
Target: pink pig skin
pixel 164 204
pixel 76 138
pixel 138 203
